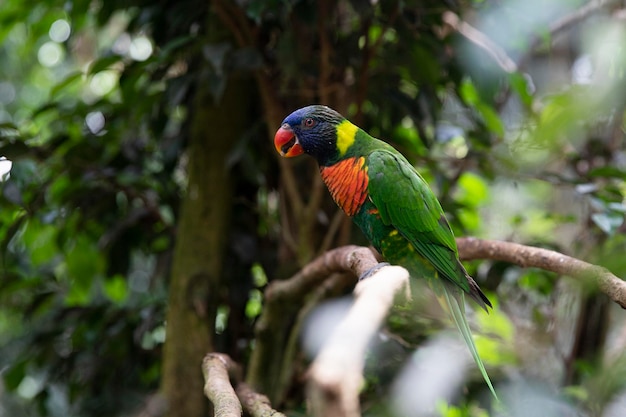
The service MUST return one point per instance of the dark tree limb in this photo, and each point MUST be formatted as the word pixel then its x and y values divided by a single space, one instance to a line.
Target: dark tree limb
pixel 528 256
pixel 220 372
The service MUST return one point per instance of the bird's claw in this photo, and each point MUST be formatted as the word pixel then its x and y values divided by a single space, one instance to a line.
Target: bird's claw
pixel 372 270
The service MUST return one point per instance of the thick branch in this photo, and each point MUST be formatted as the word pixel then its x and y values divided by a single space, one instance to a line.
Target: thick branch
pixel 335 376
pixel 219 370
pixel 284 300
pixel 334 379
pixel 255 404
pixel 357 259
pixel 528 256
pixel 217 387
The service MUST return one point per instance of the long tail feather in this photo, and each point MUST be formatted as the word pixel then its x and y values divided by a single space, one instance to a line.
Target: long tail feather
pixel 456 307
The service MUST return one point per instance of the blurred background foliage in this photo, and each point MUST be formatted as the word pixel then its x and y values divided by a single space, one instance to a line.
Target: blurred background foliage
pixel 514 114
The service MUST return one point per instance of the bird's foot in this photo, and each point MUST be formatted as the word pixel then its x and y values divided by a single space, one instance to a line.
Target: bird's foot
pixel 372 270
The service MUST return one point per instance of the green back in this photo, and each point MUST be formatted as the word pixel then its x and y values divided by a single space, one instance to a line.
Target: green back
pixel 406 203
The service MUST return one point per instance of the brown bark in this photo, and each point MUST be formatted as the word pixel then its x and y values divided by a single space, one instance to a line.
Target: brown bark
pixel 202 233
pixel 220 375
pixel 217 387
pixel 334 376
pixel 271 361
pixel 528 256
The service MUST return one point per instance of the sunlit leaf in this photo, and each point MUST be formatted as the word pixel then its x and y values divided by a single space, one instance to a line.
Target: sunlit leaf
pixel 116 289
pixel 521 85
pixel 254 304
pixel 494 341
pixel 69 80
pixel 468 92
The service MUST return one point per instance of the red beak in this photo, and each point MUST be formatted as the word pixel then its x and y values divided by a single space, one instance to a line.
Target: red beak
pixel 286 142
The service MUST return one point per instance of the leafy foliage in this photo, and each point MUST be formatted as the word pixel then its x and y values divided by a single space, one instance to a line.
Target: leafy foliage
pixel 95 99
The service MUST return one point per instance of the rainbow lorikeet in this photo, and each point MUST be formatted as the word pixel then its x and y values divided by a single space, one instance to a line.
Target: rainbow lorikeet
pixel 389 201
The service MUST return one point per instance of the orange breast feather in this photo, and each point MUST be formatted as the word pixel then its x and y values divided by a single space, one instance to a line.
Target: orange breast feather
pixel 347 182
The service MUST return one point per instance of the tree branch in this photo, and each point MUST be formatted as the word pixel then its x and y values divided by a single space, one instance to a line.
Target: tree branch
pixel 282 302
pixel 219 370
pixel 216 368
pixel 576 16
pixel 481 40
pixel 528 256
pixel 255 404
pixel 335 376
pixel 499 54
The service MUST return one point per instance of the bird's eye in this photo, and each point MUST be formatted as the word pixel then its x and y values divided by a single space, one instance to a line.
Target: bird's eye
pixel 308 122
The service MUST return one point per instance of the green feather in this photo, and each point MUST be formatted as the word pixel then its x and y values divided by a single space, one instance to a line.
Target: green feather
pixel 406 202
pixel 457 310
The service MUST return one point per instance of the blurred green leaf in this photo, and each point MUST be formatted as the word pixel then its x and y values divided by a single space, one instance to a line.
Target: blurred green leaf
pixel 84 265
pixel 495 339
pixel 102 64
pixel 14 375
pixel 254 304
pixel 520 84
pixel 468 92
pixel 116 289
pixel 59 88
pixel 41 242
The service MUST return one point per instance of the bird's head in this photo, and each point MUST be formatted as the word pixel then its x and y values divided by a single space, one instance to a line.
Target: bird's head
pixel 312 130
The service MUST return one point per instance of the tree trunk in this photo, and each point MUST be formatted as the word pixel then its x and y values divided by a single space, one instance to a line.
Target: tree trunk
pixel 202 235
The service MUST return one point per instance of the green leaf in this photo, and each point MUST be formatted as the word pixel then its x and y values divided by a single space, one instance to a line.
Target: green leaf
pixel 69 80
pixel 103 64
pixel 14 375
pixel 116 289
pixel 258 275
pixel 470 95
pixel 40 240
pixel 473 190
pixel 608 172
pixel 496 348
pixel 254 304
pixel 221 318
pixel 520 84
pixel 491 118
pixel 84 264
pixel 468 92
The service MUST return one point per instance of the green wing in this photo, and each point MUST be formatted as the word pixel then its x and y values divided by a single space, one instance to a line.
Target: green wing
pixel 405 201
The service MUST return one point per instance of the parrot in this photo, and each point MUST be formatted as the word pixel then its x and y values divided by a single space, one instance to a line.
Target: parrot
pixel 390 202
